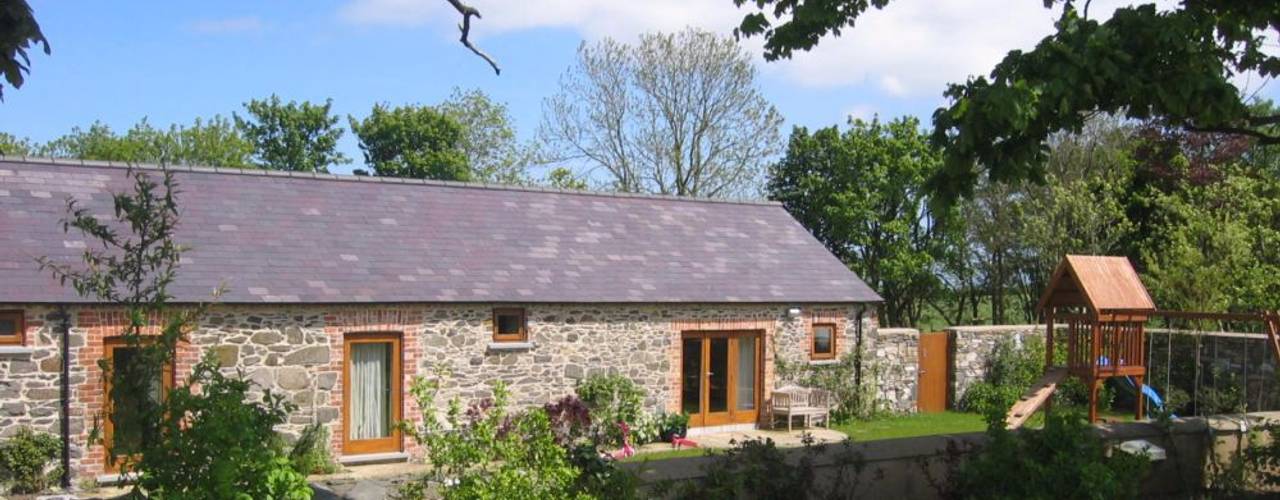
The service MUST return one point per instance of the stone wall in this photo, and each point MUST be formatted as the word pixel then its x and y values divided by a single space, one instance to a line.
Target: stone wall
pixel 895 362
pixel 971 349
pixel 298 351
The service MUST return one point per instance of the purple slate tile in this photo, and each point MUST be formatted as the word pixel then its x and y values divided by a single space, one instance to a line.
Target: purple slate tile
pixel 299 240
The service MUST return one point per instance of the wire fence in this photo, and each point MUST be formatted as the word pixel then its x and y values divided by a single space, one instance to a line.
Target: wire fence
pixel 1209 367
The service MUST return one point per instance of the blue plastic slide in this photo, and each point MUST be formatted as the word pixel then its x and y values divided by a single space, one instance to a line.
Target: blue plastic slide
pixel 1153 397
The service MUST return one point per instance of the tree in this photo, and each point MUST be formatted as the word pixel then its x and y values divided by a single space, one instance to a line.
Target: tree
pixel 563 178
pixel 212 142
pixel 418 142
pixel 860 193
pixel 1142 63
pixel 489 140
pixel 18 32
pixel 675 114
pixel 297 137
pixel 16 146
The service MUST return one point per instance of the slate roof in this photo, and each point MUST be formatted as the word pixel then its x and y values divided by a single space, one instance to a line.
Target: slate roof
pixel 307 238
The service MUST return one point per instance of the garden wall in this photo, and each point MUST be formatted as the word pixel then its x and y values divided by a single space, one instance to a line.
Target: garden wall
pixel 972 348
pixel 918 467
pixel 895 363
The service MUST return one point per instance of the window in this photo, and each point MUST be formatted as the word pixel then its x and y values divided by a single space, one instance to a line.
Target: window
pixel 123 432
pixel 371 393
pixel 509 325
pixel 824 342
pixel 11 327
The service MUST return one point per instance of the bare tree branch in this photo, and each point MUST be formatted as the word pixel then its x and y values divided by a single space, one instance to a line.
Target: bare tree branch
pixel 467 11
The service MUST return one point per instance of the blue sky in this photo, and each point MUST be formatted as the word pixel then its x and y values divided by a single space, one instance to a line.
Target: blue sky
pixel 173 61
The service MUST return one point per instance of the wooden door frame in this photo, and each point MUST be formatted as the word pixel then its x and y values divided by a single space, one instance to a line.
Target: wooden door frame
pixel 393 442
pixel 109 346
pixel 732 414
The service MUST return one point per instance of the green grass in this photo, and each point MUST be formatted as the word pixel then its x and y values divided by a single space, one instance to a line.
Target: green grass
pixel 918 424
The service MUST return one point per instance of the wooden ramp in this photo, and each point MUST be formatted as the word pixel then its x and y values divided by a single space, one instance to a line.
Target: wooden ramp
pixel 1034 398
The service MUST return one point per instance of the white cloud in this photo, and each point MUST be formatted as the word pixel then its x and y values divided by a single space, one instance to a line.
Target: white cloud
pixel 247 24
pixel 907 49
pixel 861 112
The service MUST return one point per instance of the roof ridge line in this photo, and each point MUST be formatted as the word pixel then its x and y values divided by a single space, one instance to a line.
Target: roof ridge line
pixel 203 169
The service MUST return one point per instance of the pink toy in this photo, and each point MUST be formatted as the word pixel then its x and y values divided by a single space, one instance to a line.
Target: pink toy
pixel 681 442
pixel 627 450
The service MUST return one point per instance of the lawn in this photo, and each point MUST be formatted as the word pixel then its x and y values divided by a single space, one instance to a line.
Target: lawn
pixel 917 424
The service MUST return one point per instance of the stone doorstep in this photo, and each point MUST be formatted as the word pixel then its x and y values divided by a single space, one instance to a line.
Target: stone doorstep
pixel 374 458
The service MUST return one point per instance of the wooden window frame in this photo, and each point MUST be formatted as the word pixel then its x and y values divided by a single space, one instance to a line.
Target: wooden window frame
pixel 20 335
pixel 394 442
pixel 522 336
pixel 109 346
pixel 813 342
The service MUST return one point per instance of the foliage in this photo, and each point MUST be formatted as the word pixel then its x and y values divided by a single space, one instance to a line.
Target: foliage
pixel 198 440
pixel 418 142
pixel 25 461
pixel 489 140
pixel 563 178
pixel 486 452
pixel 757 468
pixel 672 424
pixel 205 142
pixel 298 137
pixel 18 32
pixel 570 420
pixel 611 399
pixel 1012 370
pixel 211 443
pixel 1063 460
pixel 673 114
pixel 12 145
pixel 855 393
pixel 1143 63
pixel 860 193
pixel 310 453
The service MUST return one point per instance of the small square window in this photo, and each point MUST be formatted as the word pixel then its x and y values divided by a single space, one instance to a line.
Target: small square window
pixel 509 325
pixel 11 327
pixel 824 342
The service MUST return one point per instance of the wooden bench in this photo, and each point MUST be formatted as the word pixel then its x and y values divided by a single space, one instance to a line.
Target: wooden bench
pixel 814 405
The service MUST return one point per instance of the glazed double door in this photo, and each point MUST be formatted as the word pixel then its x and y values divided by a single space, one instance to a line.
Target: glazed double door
pixel 721 377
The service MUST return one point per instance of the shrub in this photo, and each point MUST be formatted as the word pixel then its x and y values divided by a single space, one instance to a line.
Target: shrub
pixel 310 453
pixel 570 420
pixel 856 399
pixel 756 468
pixel 25 461
pixel 673 424
pixel 486 452
pixel 1063 460
pixel 611 399
pixel 215 444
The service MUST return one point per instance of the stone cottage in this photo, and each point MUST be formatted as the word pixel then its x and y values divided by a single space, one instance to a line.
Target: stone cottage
pixel 340 289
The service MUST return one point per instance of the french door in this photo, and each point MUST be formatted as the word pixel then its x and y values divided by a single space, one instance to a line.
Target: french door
pixel 371 393
pixel 720 380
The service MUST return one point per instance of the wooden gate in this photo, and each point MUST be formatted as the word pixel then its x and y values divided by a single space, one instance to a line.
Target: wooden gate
pixel 932 393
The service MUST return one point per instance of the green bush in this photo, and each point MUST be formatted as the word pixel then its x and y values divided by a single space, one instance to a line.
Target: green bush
pixel 854 399
pixel 486 452
pixel 757 468
pixel 611 399
pixel 310 453
pixel 25 461
pixel 1063 460
pixel 215 444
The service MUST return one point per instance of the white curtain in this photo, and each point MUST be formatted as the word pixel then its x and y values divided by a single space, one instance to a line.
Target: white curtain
pixel 746 373
pixel 370 405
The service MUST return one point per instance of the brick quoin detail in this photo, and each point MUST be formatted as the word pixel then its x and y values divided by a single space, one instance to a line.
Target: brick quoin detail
pixel 405 321
pixel 89 398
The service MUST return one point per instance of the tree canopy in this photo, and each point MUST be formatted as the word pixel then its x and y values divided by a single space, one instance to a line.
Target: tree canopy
pixel 860 193
pixel 19 31
pixel 293 136
pixel 419 142
pixel 489 142
pixel 1143 63
pixel 215 141
pixel 674 114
